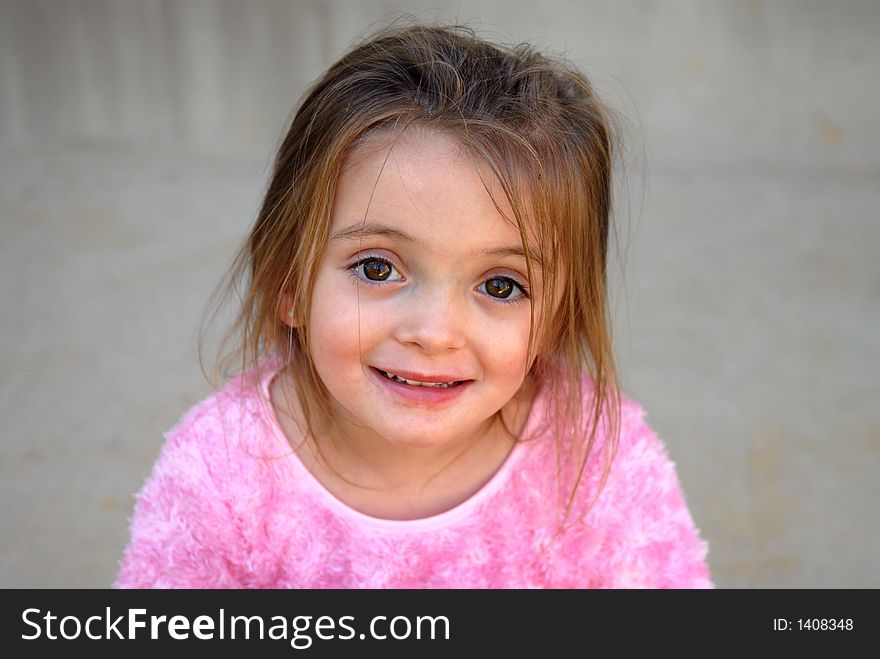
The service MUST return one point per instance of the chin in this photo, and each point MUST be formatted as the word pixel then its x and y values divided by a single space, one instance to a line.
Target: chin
pixel 408 440
pixel 420 442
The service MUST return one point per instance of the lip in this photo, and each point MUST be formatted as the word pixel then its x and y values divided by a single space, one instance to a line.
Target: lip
pixel 422 395
pixel 422 377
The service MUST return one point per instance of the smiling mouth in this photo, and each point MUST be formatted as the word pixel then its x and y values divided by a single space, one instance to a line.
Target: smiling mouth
pixel 417 383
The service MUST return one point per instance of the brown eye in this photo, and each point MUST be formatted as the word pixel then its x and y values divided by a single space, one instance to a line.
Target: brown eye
pixel 499 287
pixel 376 270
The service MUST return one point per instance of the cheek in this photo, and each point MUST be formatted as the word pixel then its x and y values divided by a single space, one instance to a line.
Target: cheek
pixel 343 327
pixel 504 345
pixel 333 321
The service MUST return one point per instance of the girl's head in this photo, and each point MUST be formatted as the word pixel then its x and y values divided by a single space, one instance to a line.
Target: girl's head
pixel 439 208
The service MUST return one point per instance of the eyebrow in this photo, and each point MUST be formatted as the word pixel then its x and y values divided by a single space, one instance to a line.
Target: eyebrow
pixel 370 229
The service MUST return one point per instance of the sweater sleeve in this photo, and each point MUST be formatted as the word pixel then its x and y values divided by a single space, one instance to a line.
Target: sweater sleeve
pixel 183 532
pixel 659 545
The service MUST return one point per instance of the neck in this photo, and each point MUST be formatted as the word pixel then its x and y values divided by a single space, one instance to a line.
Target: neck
pixel 350 454
pixel 363 457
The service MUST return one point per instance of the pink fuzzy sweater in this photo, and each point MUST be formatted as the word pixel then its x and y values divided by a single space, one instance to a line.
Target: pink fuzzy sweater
pixel 229 505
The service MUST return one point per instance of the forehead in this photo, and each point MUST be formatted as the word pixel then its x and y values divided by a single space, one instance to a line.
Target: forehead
pixel 425 184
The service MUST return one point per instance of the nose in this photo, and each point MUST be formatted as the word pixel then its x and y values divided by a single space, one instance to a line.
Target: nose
pixel 433 320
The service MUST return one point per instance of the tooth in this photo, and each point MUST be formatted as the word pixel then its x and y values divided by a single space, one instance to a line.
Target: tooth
pixel 416 383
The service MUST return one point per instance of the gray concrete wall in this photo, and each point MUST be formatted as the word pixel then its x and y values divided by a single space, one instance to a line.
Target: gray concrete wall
pixel 134 142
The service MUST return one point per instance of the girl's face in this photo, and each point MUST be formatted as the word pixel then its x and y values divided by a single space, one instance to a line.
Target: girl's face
pixel 421 306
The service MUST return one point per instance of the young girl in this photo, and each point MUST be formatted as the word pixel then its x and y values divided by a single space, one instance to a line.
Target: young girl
pixel 427 395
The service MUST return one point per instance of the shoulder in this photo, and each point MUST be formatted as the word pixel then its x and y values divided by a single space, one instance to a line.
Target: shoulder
pixel 629 524
pixel 645 510
pixel 198 449
pixel 232 419
pixel 640 449
pixel 642 473
pixel 187 526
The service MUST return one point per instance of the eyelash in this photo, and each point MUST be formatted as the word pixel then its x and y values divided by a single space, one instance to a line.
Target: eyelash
pixel 353 269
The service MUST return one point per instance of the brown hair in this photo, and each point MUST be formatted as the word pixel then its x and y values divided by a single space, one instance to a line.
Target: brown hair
pixel 536 122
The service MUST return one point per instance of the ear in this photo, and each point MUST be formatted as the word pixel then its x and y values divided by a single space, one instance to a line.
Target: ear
pixel 286 314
